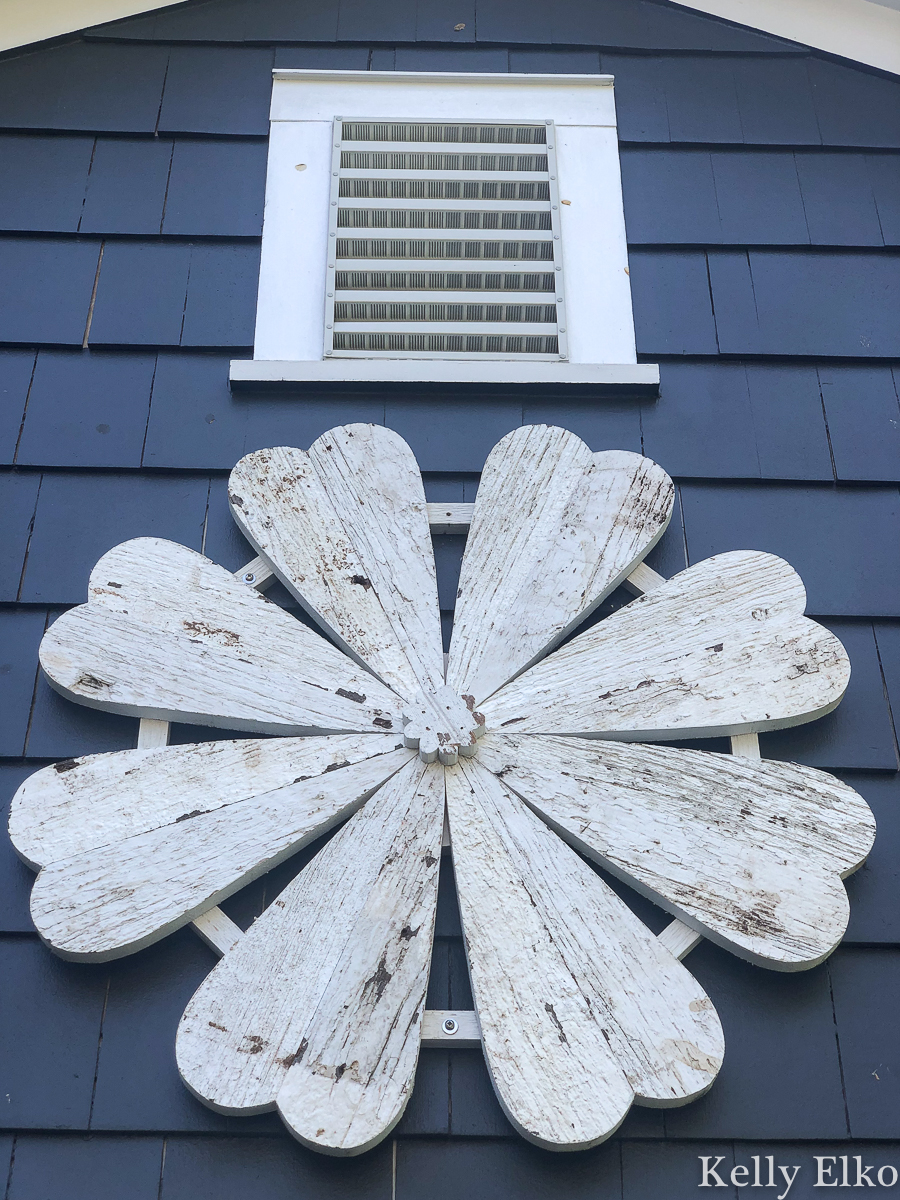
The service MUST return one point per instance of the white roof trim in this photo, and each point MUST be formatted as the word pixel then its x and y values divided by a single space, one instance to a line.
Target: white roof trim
pixel 860 30
pixel 23 22
pixel 856 29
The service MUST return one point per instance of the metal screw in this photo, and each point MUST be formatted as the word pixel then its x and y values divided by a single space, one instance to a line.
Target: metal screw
pixel 563 356
pixel 561 329
pixel 450 1027
pixel 558 299
pixel 552 176
pixel 248 577
pixel 339 118
pixel 548 122
pixel 555 207
pixel 334 204
pixel 555 238
pixel 333 235
pixel 549 145
pixel 559 268
pixel 328 326
pixel 330 294
pixel 327 352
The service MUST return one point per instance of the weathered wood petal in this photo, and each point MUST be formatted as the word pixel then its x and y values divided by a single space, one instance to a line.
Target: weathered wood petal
pixel 582 1011
pixel 345 528
pixel 83 804
pixel 554 531
pixel 749 852
pixel 119 896
pixel 720 649
pixel 170 635
pixel 320 1005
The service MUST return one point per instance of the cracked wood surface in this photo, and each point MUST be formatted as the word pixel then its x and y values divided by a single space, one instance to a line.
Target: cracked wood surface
pixel 345 528
pixel 137 844
pixel 320 1005
pixel 170 635
pixel 750 853
pixel 720 649
pixel 555 529
pixel 582 1011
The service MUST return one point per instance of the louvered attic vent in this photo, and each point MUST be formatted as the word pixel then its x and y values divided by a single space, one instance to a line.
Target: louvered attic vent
pixel 444 242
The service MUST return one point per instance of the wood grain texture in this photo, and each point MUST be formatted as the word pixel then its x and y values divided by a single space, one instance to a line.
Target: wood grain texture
pixel 582 1011
pixel 720 649
pixel 118 898
pixel 168 634
pixel 321 1004
pixel 554 531
pixel 750 853
pixel 345 528
pixel 83 804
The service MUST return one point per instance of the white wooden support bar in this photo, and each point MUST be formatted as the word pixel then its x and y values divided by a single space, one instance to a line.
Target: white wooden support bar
pixel 643 579
pixel 450 518
pixel 152 734
pixel 256 573
pixel 746 745
pixel 458 1028
pixel 218 930
pixel 679 939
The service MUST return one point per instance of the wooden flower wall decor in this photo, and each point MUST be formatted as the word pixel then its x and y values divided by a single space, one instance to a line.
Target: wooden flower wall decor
pixel 535 753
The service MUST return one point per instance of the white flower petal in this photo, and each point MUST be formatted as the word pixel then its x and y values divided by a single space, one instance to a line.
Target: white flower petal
pixel 168 634
pixel 582 1010
pixel 555 530
pixel 174 850
pixel 320 1005
pixel 345 528
pixel 720 649
pixel 751 853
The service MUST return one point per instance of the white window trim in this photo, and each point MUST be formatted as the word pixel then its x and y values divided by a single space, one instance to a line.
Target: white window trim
pixel 290 321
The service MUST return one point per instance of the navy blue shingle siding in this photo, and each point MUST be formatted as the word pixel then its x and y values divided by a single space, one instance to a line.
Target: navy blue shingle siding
pixel 762 202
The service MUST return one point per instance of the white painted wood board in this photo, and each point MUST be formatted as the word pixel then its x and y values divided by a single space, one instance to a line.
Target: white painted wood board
pixel 169 635
pixel 679 939
pixel 345 528
pixel 749 853
pixel 581 1009
pixel 120 896
pixel 554 531
pixel 720 649
pixel 218 930
pixel 639 377
pixel 320 1006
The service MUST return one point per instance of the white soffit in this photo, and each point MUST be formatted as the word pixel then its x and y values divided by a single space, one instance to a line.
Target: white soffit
pixel 860 30
pixel 24 22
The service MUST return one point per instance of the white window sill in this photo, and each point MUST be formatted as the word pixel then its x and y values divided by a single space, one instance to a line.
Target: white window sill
pixel 640 378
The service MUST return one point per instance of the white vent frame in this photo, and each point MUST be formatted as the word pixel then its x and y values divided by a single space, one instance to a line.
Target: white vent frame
pixel 289 345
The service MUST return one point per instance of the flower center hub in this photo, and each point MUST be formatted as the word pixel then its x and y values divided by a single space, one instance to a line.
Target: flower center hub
pixel 442 725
